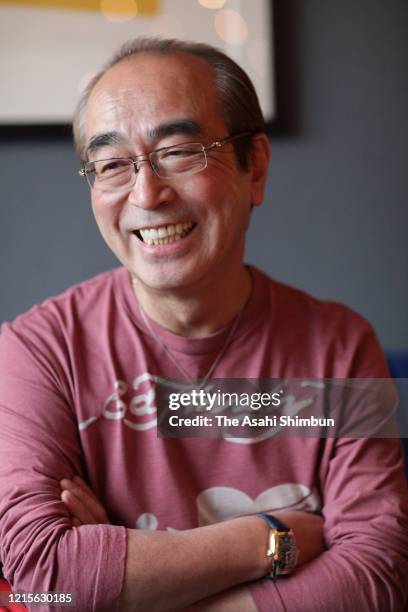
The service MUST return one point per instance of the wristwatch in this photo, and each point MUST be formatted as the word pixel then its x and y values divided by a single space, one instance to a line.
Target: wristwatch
pixel 282 549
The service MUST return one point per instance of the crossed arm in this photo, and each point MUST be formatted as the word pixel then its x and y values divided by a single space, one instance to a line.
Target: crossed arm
pixel 365 531
pixel 364 499
pixel 365 561
pixel 188 559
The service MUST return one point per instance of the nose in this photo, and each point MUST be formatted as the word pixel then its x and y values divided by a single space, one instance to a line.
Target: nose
pixel 150 191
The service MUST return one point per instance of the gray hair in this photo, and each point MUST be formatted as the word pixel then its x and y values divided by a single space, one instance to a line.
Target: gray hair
pixel 236 94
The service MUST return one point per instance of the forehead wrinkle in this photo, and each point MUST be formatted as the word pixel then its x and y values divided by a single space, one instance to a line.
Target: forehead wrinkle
pixel 130 101
pixel 168 128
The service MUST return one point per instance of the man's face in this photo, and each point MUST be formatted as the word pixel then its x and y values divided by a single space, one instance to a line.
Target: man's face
pixel 152 101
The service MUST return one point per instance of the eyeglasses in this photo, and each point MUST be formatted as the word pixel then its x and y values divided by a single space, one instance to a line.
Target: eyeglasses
pixel 168 162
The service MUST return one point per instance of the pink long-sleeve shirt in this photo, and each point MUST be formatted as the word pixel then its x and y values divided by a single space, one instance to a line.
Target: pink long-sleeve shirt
pixel 77 379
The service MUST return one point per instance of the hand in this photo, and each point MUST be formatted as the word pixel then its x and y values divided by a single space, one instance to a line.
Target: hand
pixel 82 503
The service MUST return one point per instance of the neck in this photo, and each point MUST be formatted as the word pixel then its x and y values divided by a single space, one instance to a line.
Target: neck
pixel 196 312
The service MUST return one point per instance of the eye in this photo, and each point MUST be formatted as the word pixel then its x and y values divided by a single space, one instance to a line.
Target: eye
pixel 179 152
pixel 111 165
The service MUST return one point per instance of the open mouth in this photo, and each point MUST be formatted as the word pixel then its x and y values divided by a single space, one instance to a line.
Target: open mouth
pixel 165 234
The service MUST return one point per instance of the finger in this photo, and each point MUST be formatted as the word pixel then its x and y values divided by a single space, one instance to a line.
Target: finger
pixel 67 483
pixel 79 481
pixel 89 500
pixel 77 508
pixel 76 482
pixel 92 503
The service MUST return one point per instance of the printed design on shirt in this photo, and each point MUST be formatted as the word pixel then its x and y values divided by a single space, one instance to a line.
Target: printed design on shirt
pixel 136 405
pixel 221 503
pixel 218 504
pixel 147 520
pixel 138 412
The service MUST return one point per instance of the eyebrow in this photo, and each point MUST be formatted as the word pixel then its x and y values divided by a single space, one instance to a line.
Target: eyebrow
pixel 178 126
pixel 104 140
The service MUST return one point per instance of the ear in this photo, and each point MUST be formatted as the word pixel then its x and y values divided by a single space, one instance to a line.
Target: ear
pixel 259 157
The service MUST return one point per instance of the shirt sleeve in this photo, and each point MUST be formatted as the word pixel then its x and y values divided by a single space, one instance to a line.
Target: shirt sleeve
pixel 39 445
pixel 365 509
pixel 365 566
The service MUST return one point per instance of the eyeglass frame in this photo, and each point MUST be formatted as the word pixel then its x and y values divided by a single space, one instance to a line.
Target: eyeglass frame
pixel 217 144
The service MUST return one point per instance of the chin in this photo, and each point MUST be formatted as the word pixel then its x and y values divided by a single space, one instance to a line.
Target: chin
pixel 167 279
pixel 161 281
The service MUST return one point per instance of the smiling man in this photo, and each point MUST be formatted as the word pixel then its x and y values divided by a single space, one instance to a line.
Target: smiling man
pixel 180 227
pixel 173 147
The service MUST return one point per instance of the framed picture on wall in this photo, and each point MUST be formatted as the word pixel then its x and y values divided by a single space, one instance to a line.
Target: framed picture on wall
pixel 49 49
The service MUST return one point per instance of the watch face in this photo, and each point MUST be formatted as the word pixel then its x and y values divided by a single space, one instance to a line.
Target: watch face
pixel 286 553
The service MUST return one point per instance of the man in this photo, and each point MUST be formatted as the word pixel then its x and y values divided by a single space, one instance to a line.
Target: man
pixel 172 140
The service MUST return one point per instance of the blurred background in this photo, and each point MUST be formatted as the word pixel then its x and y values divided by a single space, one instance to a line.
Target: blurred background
pixel 335 218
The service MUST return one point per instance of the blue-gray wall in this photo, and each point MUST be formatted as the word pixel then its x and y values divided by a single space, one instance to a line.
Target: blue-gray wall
pixel 335 220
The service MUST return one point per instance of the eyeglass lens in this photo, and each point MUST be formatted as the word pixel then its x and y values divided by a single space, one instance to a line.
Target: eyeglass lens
pixel 166 163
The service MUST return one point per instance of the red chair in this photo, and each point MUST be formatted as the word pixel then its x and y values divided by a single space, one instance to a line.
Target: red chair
pixel 4 589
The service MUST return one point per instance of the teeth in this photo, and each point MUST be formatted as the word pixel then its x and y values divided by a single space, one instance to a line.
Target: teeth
pixel 165 234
